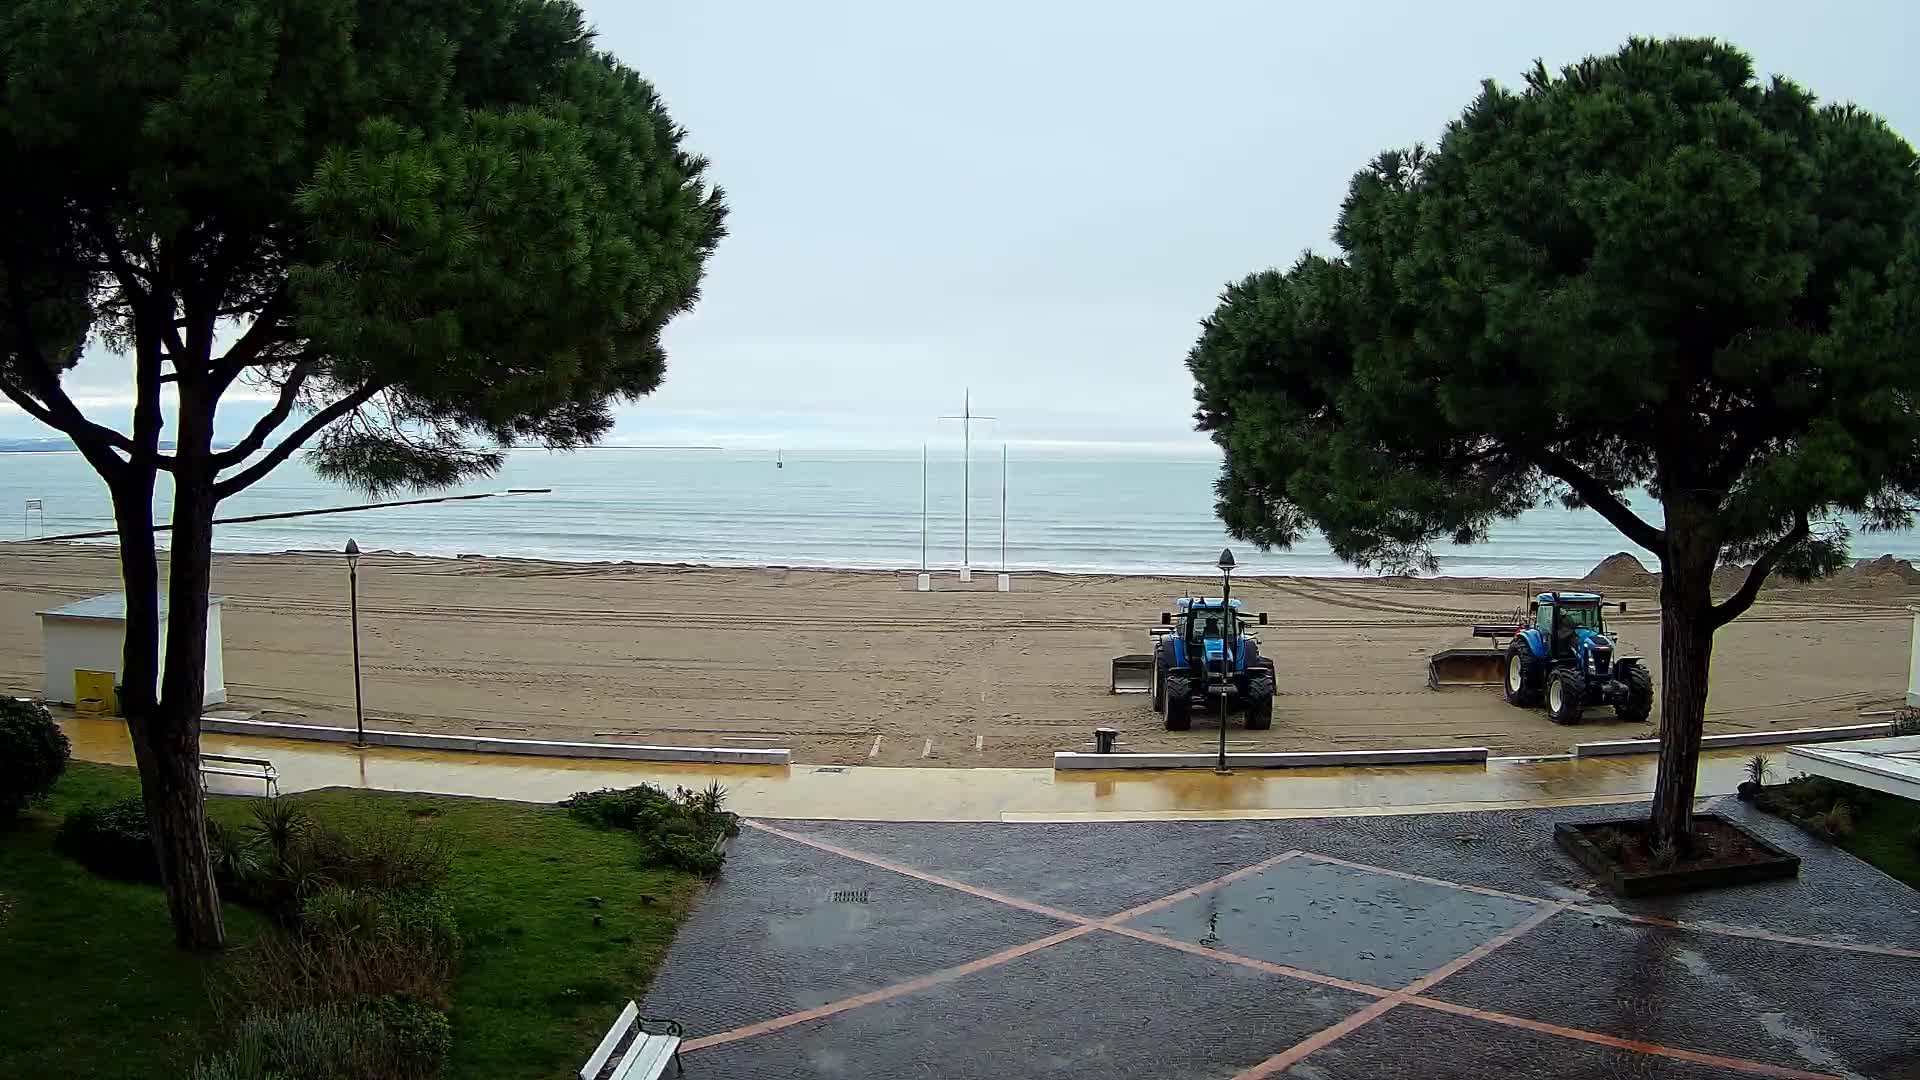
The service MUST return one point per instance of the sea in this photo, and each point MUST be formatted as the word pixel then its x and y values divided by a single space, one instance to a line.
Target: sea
pixel 1067 510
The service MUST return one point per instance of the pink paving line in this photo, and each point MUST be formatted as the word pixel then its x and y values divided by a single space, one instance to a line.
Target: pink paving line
pixel 1319 1040
pixel 1744 932
pixel 1327 1036
pixel 887 993
pixel 1201 889
pixel 922 875
pixel 1270 968
pixel 1387 999
pixel 1757 1068
pixel 1423 879
pixel 1610 913
pixel 1452 967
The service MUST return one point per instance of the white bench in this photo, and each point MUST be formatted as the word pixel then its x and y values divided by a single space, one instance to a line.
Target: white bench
pixel 248 768
pixel 631 1052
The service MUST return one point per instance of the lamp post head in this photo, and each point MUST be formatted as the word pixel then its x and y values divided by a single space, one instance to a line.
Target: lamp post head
pixel 352 553
pixel 1226 561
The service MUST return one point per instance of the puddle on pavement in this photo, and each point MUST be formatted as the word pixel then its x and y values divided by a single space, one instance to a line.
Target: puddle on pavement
pixel 1342 922
pixel 828 925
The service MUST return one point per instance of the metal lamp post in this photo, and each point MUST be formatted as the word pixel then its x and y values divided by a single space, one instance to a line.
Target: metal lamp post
pixel 1228 640
pixel 353 600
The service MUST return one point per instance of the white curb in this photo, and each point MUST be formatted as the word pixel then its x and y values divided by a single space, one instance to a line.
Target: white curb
pixel 416 740
pixel 1460 755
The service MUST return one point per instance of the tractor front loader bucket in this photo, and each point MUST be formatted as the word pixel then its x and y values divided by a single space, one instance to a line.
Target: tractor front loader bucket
pixel 1466 667
pixel 1133 674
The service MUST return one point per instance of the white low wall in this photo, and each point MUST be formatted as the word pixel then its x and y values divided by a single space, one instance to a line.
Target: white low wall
pixel 1741 738
pixel 417 740
pixel 1451 755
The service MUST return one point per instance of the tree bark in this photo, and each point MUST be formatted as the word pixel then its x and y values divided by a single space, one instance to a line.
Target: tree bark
pixel 1686 658
pixel 175 806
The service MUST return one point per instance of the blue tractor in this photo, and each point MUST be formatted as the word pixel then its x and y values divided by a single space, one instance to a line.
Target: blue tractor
pixel 1568 658
pixel 1203 653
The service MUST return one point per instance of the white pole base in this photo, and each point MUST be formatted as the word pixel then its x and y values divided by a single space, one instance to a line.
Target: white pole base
pixel 966 573
pixel 1004 583
pixel 923 583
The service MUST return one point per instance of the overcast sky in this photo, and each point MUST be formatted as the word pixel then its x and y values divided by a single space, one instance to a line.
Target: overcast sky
pixel 1040 200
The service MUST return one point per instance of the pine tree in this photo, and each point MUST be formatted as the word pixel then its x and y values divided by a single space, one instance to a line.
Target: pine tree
pixel 427 230
pixel 1650 270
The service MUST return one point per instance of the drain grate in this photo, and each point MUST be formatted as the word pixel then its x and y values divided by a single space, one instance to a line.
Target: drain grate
pixel 850 896
pixel 831 768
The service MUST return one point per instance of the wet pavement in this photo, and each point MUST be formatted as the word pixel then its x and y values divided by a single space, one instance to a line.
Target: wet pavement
pixel 863 793
pixel 1437 945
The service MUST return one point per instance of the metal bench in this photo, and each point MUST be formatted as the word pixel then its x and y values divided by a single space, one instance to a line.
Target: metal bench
pixel 247 768
pixel 631 1052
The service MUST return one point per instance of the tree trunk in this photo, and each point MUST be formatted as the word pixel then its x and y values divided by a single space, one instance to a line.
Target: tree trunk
pixel 170 765
pixel 1686 655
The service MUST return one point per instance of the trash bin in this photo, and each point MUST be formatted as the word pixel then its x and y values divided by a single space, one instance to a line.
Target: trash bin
pixel 1103 738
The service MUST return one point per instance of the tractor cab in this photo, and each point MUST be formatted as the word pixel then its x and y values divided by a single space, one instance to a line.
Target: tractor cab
pixel 1204 624
pixel 1569 622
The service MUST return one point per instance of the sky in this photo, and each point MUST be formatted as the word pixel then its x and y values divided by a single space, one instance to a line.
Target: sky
pixel 1040 200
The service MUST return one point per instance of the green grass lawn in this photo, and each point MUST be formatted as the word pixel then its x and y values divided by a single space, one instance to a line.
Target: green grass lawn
pixel 1884 836
pixel 1884 826
pixel 92 985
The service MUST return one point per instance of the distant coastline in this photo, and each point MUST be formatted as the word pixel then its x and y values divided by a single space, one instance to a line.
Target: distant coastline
pixel 65 446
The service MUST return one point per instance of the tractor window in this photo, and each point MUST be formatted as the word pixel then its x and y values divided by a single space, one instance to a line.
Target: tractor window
pixel 1586 617
pixel 1205 624
pixel 1543 619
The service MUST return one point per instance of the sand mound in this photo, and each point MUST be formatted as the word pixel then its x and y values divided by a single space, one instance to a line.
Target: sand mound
pixel 1618 571
pixel 1884 570
pixel 1730 576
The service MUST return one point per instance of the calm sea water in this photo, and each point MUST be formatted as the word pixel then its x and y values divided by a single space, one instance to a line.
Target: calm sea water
pixel 1066 511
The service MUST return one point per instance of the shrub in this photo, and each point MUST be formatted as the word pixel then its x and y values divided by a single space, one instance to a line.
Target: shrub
pixel 382 1038
pixel 1759 767
pixel 387 854
pixel 1802 796
pixel 113 842
pixel 33 754
pixel 348 944
pixel 683 830
pixel 1611 842
pixel 301 857
pixel 235 856
pixel 1835 823
pixel 1906 722
pixel 277 825
pixel 415 1031
pixel 629 808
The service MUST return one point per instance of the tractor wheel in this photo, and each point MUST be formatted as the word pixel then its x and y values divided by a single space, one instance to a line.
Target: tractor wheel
pixel 1523 675
pixel 1639 700
pixel 1179 704
pixel 1566 694
pixel 1260 701
pixel 1159 677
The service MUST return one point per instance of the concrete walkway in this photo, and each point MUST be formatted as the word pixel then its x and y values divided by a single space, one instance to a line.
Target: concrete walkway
pixel 1422 947
pixel 918 794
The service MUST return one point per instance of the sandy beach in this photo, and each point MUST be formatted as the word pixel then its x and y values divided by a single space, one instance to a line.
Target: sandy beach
pixel 849 667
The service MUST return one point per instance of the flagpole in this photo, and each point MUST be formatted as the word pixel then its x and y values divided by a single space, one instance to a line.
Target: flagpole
pixel 966 485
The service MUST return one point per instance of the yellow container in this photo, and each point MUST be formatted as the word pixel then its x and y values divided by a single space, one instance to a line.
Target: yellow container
pixel 93 693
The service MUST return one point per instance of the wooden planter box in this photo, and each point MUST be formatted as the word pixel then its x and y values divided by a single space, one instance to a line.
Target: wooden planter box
pixel 1776 862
